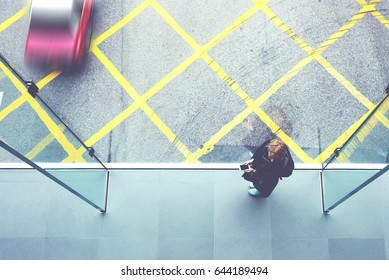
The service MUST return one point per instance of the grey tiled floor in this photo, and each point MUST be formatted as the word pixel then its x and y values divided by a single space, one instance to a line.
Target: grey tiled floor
pixel 190 215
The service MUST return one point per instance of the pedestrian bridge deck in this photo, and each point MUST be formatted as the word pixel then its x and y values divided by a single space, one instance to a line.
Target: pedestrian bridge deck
pixel 190 214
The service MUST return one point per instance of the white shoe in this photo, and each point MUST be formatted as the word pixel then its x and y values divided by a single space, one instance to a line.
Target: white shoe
pixel 254 192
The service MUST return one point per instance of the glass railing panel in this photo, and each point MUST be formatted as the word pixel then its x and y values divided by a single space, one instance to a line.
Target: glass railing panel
pixel 88 183
pixel 370 144
pixel 360 160
pixel 33 133
pixel 338 184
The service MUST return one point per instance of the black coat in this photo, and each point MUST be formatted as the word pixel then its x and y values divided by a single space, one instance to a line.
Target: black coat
pixel 267 172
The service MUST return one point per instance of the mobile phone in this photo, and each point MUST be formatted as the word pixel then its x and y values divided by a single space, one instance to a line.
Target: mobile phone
pixel 244 167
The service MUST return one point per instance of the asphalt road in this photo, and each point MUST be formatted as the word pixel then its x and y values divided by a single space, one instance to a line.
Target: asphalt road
pixel 206 81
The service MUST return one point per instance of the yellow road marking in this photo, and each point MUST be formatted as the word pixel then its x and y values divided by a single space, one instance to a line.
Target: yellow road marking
pixel 361 2
pixel 158 86
pixel 13 19
pixel 316 54
pixel 381 18
pixel 313 54
pixel 253 106
pixel 284 28
pixel 116 27
pixel 20 100
pixel 50 124
pixel 138 100
pixel 237 23
pixel 342 138
pixel 42 144
pixel 11 107
pixel 363 133
pixel 169 19
pixel 133 107
pixel 224 76
pixel 366 130
pixel 364 3
pixel 42 83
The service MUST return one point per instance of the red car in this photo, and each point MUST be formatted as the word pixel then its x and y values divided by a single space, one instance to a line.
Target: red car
pixel 59 33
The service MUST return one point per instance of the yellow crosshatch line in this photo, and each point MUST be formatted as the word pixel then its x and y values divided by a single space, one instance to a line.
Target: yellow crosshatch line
pixel 164 81
pixel 316 54
pixel 13 19
pixel 43 144
pixel 159 85
pixel 42 114
pixel 313 54
pixel 253 106
pixel 12 107
pixel 21 100
pixel 142 105
pixel 119 24
pixel 363 133
pixel 208 146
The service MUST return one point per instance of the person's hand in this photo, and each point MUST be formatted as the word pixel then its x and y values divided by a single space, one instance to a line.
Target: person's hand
pixel 250 170
pixel 249 162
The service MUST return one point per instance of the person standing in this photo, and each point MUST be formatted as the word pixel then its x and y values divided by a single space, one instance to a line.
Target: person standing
pixel 271 161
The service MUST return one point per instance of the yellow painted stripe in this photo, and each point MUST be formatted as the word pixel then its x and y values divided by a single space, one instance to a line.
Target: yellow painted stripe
pixel 384 120
pixel 183 65
pixel 252 107
pixel 283 80
pixel 357 94
pixel 158 86
pixel 170 20
pixel 194 45
pixel 13 19
pixel 316 53
pixel 120 24
pixel 209 145
pixel 284 28
pixel 42 144
pixel 381 18
pixel 112 124
pixel 21 100
pixel 214 41
pixel 347 134
pixel 363 133
pixel 342 31
pixel 361 2
pixel 169 77
pixel 133 107
pixel 283 136
pixel 140 102
pixel 341 79
pixel 11 107
pixel 375 13
pixel 42 114
pixel 42 83
pixel 303 63
pixel 116 74
pixel 342 138
pixel 372 2
pixel 236 24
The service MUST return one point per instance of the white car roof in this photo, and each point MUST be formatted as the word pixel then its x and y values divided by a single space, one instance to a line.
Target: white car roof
pixel 53 11
pixel 52 6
